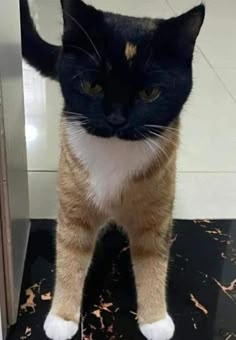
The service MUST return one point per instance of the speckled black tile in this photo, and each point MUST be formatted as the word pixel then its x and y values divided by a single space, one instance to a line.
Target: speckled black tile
pixel 201 289
pixel 202 283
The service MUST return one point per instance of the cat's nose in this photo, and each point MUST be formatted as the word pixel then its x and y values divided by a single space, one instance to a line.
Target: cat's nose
pixel 116 118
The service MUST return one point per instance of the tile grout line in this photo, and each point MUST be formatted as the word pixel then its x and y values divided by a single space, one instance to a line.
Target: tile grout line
pixel 178 171
pixel 217 75
pixel 171 8
pixel 226 68
pixel 206 172
pixel 225 86
pixel 208 62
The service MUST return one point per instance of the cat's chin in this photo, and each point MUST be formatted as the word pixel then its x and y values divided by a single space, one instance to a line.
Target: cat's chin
pixel 128 135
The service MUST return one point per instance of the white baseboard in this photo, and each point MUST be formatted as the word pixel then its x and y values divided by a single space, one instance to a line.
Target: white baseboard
pixel 198 196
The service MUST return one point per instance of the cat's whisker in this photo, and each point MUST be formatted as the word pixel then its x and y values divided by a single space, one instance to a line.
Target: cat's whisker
pixel 169 140
pixel 78 122
pixel 157 130
pixel 72 113
pixel 82 72
pixel 81 134
pixel 75 117
pixel 159 147
pixel 161 127
pixel 154 151
pixel 85 32
pixel 76 125
pixel 149 59
pixel 85 52
pixel 80 131
pixel 145 140
pixel 151 147
pixel 163 137
pixel 91 130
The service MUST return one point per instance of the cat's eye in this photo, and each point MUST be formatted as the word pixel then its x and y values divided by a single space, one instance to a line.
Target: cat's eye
pixel 92 88
pixel 150 94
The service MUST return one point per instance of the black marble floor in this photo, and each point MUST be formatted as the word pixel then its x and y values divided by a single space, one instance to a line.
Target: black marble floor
pixel 201 285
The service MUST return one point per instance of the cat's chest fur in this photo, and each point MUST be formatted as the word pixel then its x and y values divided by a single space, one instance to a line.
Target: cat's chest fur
pixel 110 163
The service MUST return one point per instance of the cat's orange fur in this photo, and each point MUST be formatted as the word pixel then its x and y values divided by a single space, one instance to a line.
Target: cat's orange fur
pixel 144 209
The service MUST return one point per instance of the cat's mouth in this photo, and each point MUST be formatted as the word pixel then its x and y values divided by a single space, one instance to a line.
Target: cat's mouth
pixel 125 133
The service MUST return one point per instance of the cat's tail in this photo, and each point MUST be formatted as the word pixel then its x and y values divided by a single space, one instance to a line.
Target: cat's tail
pixel 38 53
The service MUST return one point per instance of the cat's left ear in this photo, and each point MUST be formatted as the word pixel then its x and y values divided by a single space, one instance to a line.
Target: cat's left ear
pixel 177 36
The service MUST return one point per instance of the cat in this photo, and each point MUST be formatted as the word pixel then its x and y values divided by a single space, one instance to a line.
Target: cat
pixel 124 81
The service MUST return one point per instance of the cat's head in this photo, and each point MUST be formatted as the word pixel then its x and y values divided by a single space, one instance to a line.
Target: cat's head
pixel 123 76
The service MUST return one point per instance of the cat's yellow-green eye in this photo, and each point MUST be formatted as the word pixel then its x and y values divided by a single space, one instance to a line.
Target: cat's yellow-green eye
pixel 149 95
pixel 92 88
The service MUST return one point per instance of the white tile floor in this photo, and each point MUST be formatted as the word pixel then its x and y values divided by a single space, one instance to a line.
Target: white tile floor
pixel 206 181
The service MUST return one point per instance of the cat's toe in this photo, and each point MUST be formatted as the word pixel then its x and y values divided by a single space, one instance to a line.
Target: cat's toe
pixel 160 330
pixel 57 328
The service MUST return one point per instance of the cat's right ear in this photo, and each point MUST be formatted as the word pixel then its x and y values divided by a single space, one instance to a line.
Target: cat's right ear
pixel 77 12
pixel 83 25
pixel 37 52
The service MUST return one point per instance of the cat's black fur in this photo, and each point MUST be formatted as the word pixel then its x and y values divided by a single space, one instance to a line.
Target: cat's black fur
pixel 40 54
pixel 93 49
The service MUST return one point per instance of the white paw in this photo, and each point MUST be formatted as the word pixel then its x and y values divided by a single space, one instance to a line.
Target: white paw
pixel 58 329
pixel 160 330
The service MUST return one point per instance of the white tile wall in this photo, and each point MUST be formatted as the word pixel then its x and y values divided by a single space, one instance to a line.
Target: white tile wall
pixel 43 106
pixel 42 194
pixel 205 195
pixel 149 8
pixel 206 181
pixel 209 120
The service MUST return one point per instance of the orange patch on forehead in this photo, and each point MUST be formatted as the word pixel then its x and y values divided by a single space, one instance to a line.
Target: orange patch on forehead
pixel 130 51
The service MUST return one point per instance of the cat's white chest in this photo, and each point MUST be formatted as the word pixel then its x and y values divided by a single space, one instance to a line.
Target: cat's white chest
pixel 110 163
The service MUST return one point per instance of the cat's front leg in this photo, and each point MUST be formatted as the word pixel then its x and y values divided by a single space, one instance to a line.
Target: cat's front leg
pixel 150 252
pixel 75 243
